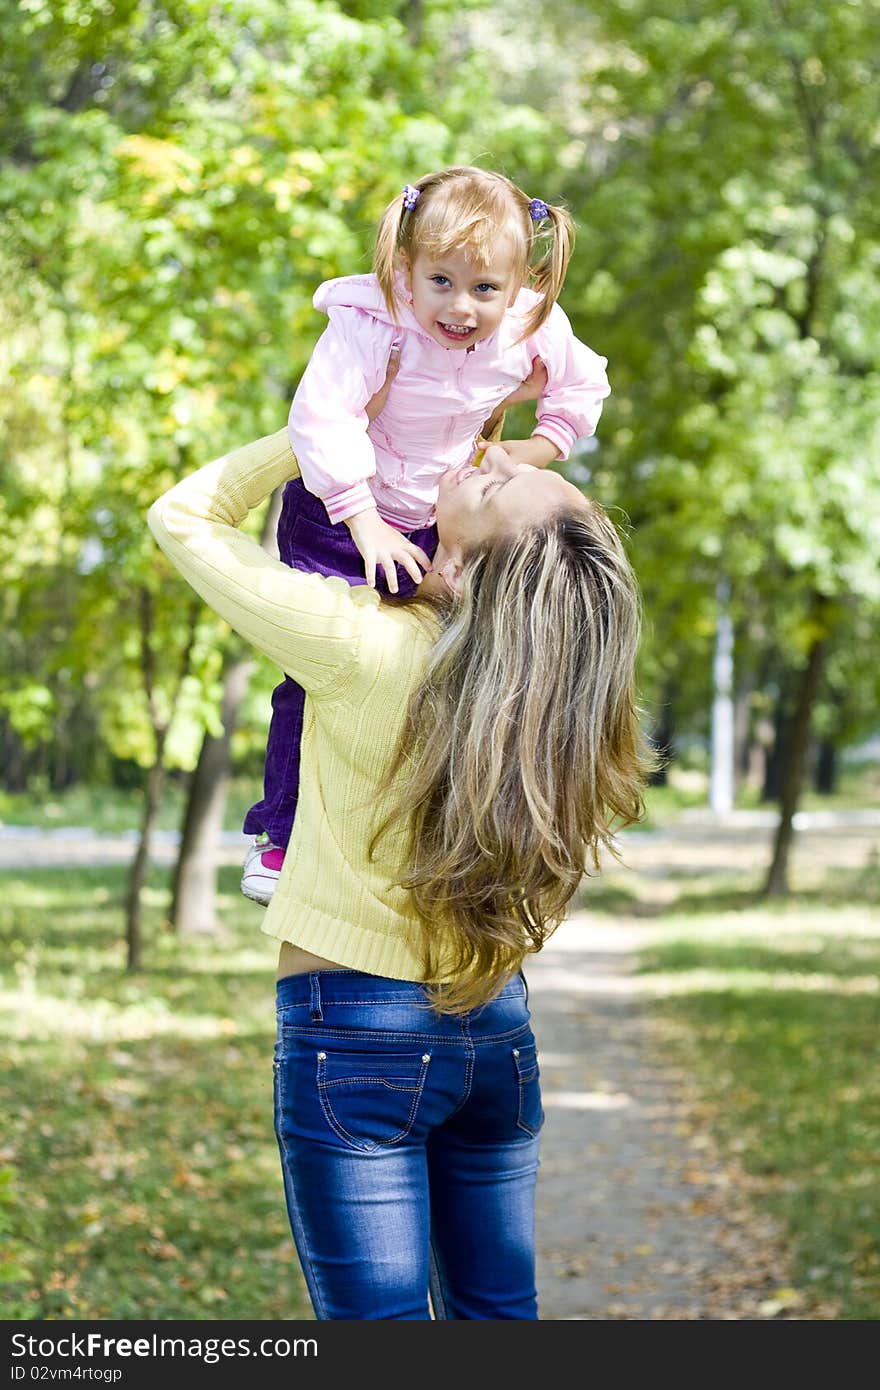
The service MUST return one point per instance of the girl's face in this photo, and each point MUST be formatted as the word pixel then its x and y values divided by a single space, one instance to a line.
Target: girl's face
pixel 458 302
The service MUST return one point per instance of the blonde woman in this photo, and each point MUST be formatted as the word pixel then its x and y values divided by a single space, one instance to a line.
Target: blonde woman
pixel 465 754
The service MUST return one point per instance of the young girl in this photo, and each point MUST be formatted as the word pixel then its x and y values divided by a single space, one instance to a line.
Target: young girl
pixel 456 295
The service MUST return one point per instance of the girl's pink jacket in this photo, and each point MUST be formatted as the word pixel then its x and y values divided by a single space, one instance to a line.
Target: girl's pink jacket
pixel 437 405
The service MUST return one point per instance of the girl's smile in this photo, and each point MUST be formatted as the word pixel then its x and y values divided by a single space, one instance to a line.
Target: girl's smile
pixel 458 302
pixel 458 333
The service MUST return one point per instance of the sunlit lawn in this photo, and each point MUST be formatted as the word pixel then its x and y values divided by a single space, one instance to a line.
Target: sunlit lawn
pixel 788 1056
pixel 113 810
pixel 142 1176
pixel 109 809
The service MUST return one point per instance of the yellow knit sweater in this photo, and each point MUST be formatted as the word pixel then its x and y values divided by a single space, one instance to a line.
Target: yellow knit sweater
pixel 357 658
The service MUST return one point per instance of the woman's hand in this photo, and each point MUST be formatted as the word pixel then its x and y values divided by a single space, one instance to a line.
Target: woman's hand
pixel 376 404
pixel 534 386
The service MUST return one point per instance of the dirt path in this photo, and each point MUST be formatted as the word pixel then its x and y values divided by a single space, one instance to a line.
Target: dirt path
pixel 636 1216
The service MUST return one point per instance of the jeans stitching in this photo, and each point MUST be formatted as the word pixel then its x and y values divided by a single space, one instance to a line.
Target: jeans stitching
pixel 296 1221
pixel 468 1074
pixel 379 1002
pixel 357 1034
pixel 435 1284
pixel 362 1145
pixel 523 1077
pixel 372 1080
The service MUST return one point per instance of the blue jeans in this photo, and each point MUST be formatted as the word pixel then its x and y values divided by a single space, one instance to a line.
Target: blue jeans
pixel 409 1147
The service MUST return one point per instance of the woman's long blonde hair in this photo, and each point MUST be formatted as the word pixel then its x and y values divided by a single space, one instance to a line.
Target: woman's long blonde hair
pixel 521 751
pixel 467 209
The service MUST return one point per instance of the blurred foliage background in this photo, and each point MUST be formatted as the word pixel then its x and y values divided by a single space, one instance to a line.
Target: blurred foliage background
pixel 176 179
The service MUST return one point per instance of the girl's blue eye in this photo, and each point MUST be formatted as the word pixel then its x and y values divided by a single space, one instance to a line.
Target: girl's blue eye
pixel 487 287
pixel 437 279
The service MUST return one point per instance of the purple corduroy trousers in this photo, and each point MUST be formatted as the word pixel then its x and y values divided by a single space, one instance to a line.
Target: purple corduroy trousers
pixel 307 540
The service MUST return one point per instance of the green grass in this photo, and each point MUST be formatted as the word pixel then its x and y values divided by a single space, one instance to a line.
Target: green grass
pixel 139 1173
pixel 858 788
pixel 778 1019
pixel 109 809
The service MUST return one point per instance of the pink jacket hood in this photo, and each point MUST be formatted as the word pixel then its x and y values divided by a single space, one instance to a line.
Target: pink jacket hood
pixel 354 292
pixel 362 292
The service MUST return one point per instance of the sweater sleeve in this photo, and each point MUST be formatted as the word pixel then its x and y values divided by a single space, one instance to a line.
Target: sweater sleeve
pixel 309 625
pixel 577 383
pixel 328 423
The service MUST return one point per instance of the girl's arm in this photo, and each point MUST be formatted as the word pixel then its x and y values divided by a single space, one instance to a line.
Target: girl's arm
pixel 577 384
pixel 308 625
pixel 328 420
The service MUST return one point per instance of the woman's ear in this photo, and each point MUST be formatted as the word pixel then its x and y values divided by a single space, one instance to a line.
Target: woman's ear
pixel 451 573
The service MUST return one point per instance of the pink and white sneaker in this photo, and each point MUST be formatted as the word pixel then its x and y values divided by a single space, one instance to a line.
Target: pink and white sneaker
pixel 262 867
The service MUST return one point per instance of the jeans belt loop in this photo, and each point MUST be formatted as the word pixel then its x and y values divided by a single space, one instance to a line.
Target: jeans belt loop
pixel 317 1012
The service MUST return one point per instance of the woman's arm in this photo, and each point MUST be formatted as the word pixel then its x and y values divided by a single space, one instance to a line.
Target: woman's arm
pixel 310 626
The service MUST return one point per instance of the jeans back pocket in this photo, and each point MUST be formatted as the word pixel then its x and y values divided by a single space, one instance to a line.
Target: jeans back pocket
pixel 530 1114
pixel 370 1099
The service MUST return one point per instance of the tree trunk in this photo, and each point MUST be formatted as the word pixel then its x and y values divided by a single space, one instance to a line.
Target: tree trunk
pixel 414 20
pixel 194 889
pixel 138 872
pixel 156 776
pixel 745 684
pixel 663 738
pixel 777 754
pixel 12 763
pixel 826 767
pixel 776 884
pixel 721 763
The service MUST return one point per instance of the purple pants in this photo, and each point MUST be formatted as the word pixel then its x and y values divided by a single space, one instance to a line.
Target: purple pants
pixel 307 540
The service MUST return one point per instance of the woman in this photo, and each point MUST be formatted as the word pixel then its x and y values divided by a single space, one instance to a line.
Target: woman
pixel 464 754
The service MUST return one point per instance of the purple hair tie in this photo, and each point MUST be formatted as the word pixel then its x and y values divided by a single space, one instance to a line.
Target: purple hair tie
pixel 538 209
pixel 410 197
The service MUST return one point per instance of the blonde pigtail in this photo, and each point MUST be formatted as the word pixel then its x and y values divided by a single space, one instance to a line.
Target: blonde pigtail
pixel 385 261
pixel 548 275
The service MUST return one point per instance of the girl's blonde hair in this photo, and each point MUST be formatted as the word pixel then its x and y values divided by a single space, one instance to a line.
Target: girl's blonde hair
pixel 521 752
pixel 466 209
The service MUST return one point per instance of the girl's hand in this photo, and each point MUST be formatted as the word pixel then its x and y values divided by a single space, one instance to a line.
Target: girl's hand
pixel 537 451
pixel 381 544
